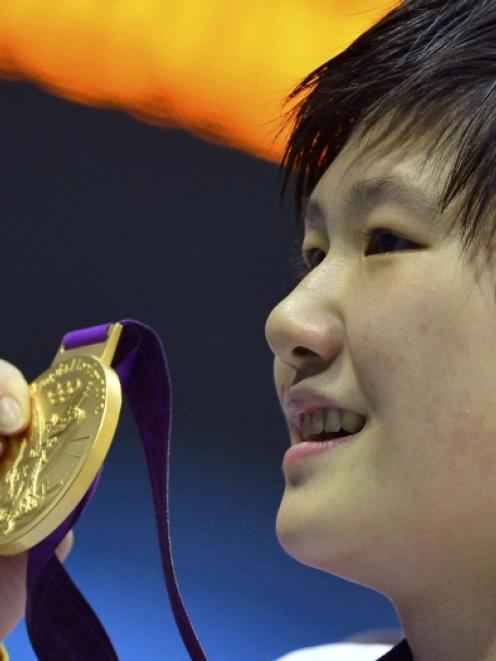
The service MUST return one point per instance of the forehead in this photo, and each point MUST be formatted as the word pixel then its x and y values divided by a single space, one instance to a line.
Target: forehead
pixel 366 194
pixel 356 182
pixel 359 180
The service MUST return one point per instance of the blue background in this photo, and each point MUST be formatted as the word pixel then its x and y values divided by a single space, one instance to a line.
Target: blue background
pixel 104 218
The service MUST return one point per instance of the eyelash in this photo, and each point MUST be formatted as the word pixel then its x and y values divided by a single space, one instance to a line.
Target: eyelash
pixel 301 263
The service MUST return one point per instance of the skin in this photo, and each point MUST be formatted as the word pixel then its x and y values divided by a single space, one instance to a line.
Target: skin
pixel 13 568
pixel 408 337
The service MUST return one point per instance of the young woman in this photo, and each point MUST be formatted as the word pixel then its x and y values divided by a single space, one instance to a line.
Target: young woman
pixel 387 336
pixel 392 324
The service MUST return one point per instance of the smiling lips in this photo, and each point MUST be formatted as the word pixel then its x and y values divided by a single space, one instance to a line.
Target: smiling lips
pixel 324 424
pixel 311 414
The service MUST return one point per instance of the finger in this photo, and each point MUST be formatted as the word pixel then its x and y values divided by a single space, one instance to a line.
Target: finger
pixel 15 399
pixel 65 546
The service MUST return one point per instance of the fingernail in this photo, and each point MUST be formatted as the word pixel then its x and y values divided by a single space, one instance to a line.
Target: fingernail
pixel 10 415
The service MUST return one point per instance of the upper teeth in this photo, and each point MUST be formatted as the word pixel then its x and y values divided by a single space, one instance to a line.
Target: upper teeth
pixel 331 420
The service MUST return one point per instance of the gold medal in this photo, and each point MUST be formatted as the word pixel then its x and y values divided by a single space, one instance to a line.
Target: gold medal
pixel 47 469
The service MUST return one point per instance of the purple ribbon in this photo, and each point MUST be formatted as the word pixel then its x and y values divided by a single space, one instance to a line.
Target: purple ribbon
pixel 60 622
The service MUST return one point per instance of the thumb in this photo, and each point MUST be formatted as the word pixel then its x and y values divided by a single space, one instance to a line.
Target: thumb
pixel 16 414
pixel 65 546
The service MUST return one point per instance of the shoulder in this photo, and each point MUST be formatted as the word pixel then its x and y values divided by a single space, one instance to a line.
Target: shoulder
pixel 339 652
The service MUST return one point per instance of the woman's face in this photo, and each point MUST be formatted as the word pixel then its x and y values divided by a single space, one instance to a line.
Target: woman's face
pixel 408 337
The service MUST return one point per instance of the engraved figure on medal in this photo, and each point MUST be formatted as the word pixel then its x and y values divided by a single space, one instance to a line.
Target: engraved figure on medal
pixel 48 468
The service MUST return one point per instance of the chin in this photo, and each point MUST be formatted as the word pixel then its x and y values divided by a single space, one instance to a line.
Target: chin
pixel 294 534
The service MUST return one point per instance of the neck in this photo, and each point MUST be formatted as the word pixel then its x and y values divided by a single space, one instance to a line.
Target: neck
pixel 455 625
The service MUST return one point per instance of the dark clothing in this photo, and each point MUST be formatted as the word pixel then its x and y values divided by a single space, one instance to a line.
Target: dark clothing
pixel 400 652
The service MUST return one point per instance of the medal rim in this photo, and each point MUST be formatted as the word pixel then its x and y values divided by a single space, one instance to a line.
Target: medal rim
pixel 62 506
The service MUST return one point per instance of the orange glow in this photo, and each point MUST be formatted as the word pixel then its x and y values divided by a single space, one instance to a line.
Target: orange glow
pixel 220 73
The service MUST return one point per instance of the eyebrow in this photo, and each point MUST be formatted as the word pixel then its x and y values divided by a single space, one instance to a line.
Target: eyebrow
pixel 367 194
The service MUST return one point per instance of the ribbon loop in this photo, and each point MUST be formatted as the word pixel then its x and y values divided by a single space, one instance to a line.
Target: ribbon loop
pixel 60 622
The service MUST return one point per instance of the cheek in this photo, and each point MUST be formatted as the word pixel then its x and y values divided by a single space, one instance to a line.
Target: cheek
pixel 448 480
pixel 464 451
pixel 410 340
pixel 426 362
pixel 392 349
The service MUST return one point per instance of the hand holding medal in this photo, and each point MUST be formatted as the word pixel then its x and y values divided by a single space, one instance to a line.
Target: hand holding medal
pixel 14 386
pixel 52 468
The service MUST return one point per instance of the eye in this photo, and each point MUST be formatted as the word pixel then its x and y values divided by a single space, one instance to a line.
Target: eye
pixel 301 265
pixel 386 245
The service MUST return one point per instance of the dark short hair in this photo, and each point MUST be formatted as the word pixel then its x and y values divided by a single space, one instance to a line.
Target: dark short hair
pixel 430 65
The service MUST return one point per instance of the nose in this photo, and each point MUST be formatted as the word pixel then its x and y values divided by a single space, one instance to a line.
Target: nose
pixel 298 332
